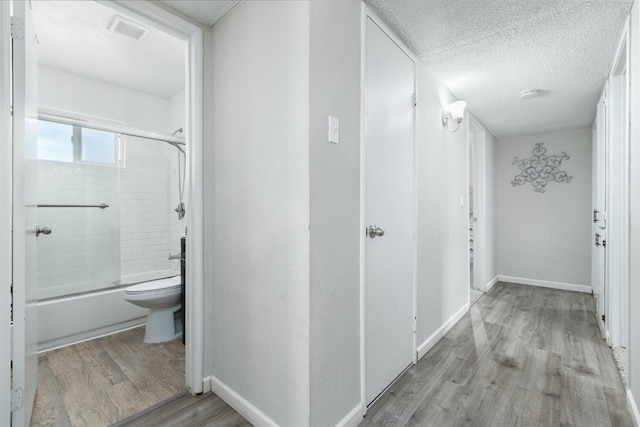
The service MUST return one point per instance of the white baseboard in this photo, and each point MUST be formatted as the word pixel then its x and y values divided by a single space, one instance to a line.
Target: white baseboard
pixel 206 384
pixel 252 414
pixel 634 408
pixel 257 417
pixel 353 418
pixel 490 284
pixel 442 330
pixel 546 284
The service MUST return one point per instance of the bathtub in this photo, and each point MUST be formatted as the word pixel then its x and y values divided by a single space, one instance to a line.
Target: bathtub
pixel 69 320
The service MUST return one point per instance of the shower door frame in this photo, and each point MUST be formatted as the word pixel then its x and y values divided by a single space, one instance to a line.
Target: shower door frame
pixel 193 34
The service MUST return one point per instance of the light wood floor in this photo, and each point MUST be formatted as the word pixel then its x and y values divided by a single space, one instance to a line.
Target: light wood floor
pixel 188 411
pixel 99 382
pixel 522 356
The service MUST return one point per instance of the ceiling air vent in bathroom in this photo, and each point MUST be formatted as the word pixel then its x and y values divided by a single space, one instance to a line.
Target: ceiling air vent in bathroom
pixel 133 30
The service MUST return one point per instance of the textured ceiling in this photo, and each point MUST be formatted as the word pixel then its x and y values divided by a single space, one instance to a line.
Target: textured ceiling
pixel 204 12
pixel 488 51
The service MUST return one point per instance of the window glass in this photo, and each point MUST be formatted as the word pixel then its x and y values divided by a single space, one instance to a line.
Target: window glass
pixel 55 141
pixel 98 146
pixel 68 143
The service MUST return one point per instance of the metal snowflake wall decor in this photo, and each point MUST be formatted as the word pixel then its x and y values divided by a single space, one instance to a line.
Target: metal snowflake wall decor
pixel 540 169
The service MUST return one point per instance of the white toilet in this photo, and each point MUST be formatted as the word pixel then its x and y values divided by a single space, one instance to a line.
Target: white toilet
pixel 162 298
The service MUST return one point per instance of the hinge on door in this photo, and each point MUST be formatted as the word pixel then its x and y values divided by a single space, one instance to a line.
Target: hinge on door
pixel 17 28
pixel 415 325
pixel 16 399
pixel 603 317
pixel 414 99
pixel 604 243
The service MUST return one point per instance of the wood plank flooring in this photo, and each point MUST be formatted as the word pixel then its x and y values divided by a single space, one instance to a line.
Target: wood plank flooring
pixel 522 356
pixel 99 382
pixel 188 411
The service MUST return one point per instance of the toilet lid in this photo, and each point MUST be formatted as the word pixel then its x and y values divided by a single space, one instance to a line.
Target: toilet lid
pixel 155 285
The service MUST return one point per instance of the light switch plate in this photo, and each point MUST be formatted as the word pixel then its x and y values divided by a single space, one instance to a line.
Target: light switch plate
pixel 334 130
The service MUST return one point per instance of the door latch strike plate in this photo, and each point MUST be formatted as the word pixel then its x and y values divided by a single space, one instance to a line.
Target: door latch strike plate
pixel 16 399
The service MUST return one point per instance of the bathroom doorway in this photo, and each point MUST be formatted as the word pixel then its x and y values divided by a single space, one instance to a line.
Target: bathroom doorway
pixel 117 139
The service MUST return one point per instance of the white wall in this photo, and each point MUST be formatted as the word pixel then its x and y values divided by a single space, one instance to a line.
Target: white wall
pixel 282 254
pixel 77 93
pixel 442 235
pixel 335 211
pixel 545 236
pixel 257 209
pixel 634 270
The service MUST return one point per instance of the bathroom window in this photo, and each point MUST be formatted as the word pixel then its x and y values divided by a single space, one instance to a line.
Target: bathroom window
pixel 70 143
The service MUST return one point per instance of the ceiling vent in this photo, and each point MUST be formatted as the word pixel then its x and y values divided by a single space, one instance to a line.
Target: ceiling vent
pixel 127 28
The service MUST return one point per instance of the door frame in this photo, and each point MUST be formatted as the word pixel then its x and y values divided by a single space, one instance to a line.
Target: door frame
pixel 193 34
pixel 478 171
pixel 6 211
pixel 618 213
pixel 367 13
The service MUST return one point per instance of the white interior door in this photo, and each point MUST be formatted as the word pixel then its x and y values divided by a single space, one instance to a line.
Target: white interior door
pixel 389 289
pixel 25 111
pixel 600 214
pixel 6 163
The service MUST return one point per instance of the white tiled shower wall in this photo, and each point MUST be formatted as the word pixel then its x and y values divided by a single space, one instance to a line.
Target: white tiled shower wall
pixel 147 182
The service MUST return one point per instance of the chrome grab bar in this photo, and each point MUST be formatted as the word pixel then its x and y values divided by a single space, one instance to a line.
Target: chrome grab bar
pixel 101 206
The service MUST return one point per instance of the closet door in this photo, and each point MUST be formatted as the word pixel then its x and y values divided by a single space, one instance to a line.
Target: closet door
pixel 389 288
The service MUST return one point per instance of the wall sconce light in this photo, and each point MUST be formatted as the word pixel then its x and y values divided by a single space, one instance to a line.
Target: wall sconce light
pixel 455 112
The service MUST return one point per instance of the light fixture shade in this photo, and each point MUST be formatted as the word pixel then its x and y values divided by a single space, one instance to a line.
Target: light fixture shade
pixel 456 109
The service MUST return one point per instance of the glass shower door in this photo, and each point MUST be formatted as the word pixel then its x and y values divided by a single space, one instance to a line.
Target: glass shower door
pixel 78 180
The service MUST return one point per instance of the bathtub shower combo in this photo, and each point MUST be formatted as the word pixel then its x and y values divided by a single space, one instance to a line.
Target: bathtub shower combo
pixel 111 260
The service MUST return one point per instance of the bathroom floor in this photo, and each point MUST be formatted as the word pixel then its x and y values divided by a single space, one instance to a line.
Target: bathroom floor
pixel 99 382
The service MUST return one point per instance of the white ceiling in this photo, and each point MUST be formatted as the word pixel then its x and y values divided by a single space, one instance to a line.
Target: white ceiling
pixel 73 36
pixel 485 51
pixel 488 51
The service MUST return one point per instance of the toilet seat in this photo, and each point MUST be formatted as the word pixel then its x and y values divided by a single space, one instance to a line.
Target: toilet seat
pixel 170 284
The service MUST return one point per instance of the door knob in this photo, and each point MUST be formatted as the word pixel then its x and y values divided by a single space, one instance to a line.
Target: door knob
pixel 374 231
pixel 42 230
